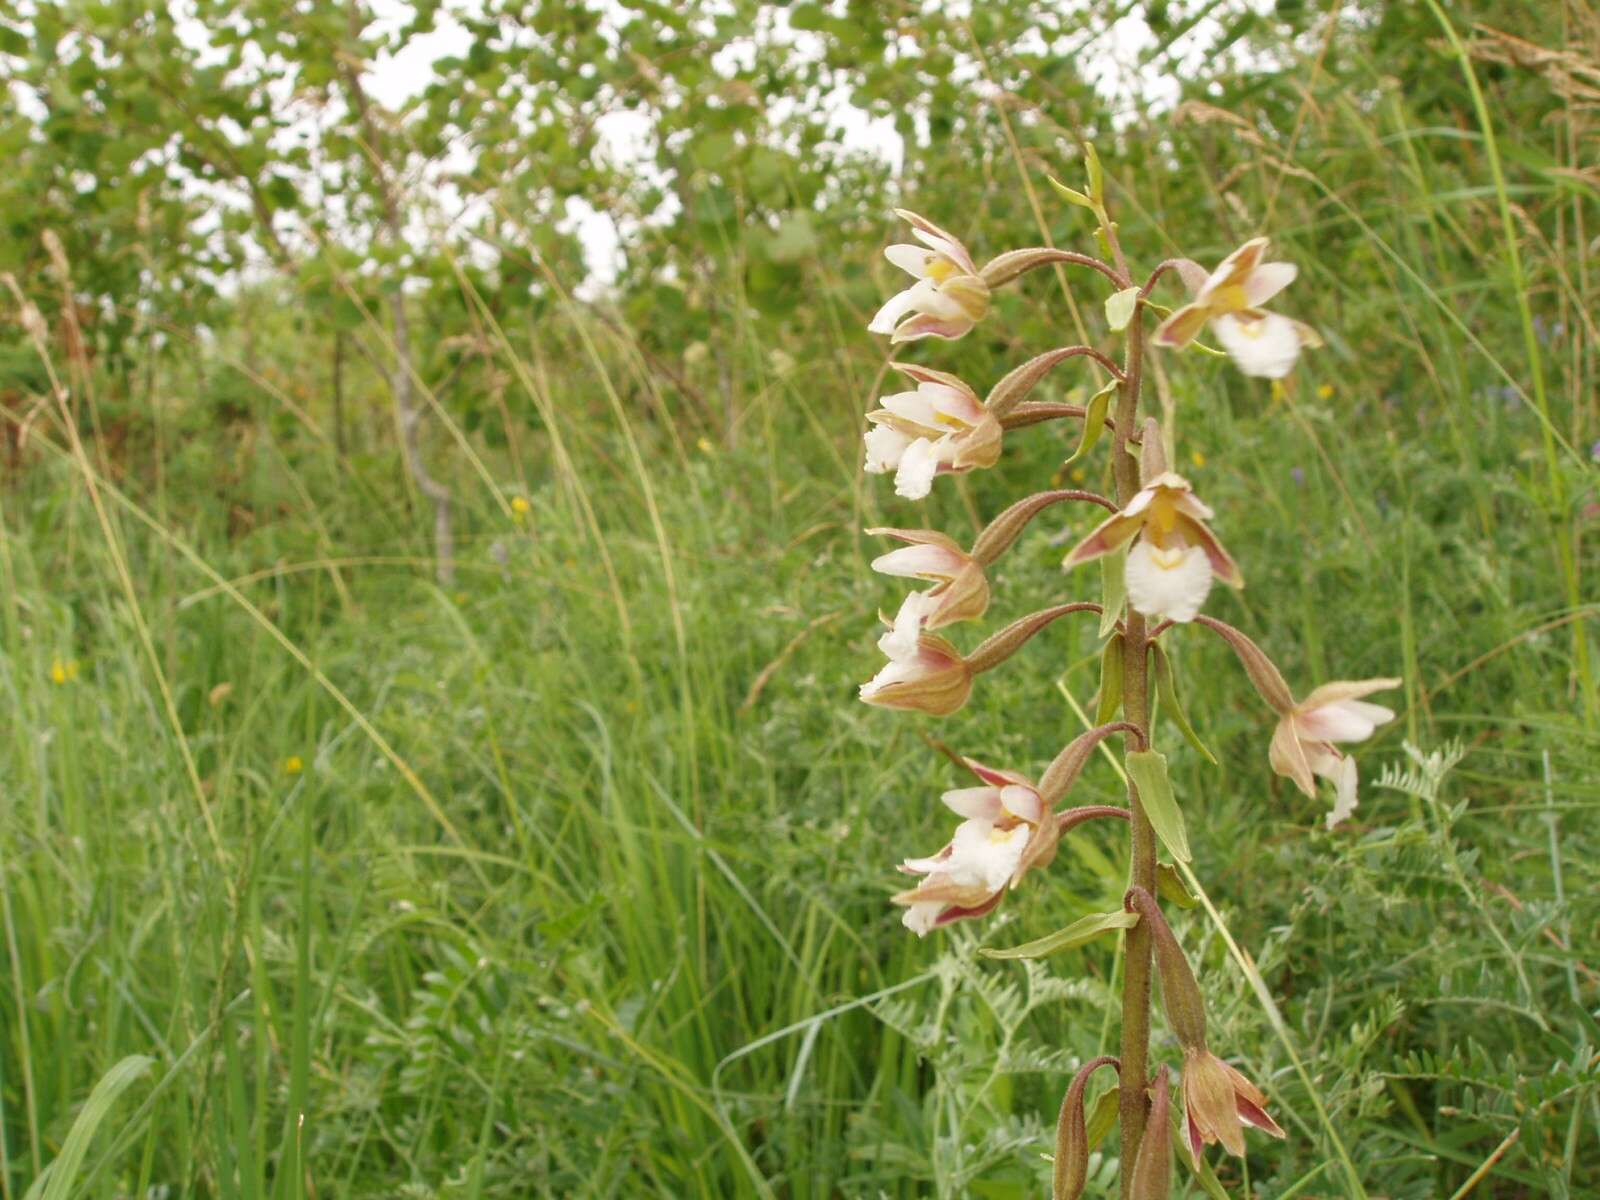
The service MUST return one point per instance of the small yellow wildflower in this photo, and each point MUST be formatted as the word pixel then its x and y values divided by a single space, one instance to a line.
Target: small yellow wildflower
pixel 1325 391
pixel 293 765
pixel 705 446
pixel 63 672
pixel 1079 475
pixel 520 506
pixel 1197 458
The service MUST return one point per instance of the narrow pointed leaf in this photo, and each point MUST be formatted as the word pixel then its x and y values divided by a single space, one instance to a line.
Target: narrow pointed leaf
pixel 1167 692
pixel 1170 887
pixel 1148 770
pixel 1096 174
pixel 1071 196
pixel 1094 421
pixel 59 1179
pixel 1110 681
pixel 1079 933
pixel 1113 588
pixel 1102 1117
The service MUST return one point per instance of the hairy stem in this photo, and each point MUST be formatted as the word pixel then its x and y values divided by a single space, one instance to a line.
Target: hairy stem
pixel 1142 854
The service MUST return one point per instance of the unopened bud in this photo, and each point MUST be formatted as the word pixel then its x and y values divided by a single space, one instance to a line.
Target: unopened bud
pixel 1001 532
pixel 1267 678
pixel 1072 1135
pixel 1152 452
pixel 1001 646
pixel 1180 993
pixel 1152 1169
pixel 1015 386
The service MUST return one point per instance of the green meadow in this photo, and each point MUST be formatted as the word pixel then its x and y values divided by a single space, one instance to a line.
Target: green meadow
pixel 333 868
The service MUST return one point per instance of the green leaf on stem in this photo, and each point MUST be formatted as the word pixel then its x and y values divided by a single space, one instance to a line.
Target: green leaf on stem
pixel 1170 886
pixel 1110 682
pixel 1069 195
pixel 1094 421
pixel 1096 174
pixel 1102 1117
pixel 1148 770
pixel 1079 933
pixel 1167 693
pixel 1119 308
pixel 1113 588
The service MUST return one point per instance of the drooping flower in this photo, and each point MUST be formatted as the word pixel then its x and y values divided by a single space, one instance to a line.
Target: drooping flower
pixel 1218 1102
pixel 1170 568
pixel 928 675
pixel 948 298
pixel 939 428
pixel 1230 298
pixel 960 591
pixel 1303 743
pixel 1006 832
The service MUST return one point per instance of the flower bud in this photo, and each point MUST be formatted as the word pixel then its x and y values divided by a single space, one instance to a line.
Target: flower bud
pixel 1152 1168
pixel 1072 1135
pixel 1266 677
pixel 998 536
pixel 1002 645
pixel 1180 994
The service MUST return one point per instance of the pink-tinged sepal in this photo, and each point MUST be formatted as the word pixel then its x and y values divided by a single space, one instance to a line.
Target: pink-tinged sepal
pixel 1303 742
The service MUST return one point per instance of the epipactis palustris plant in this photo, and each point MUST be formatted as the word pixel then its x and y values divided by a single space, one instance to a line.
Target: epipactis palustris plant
pixel 1159 559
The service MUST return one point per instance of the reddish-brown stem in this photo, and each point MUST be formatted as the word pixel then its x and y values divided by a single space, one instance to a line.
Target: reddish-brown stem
pixel 1085 260
pixel 1170 264
pixel 1142 851
pixel 1036 412
pixel 1070 818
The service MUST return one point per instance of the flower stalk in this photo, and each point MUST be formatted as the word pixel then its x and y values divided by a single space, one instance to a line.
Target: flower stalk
pixel 1158 558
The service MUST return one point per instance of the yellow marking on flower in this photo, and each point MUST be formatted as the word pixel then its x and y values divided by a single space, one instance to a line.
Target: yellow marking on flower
pixel 940 269
pixel 293 765
pixel 1325 391
pixel 63 672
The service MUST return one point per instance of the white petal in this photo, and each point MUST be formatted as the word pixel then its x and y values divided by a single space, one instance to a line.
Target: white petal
pixel 918 465
pixel 1169 584
pixel 894 671
pixel 1022 802
pixel 915 406
pixel 985 856
pixel 925 561
pixel 1343 721
pixel 900 643
pixel 1344 780
pixel 1266 346
pixel 919 918
pixel 1140 502
pixel 953 404
pixel 945 247
pixel 913 260
pixel 975 803
pixel 897 306
pixel 885 447
pixel 1267 280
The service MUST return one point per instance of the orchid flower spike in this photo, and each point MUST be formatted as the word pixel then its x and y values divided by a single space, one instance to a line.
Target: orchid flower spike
pixel 1007 831
pixel 1170 568
pixel 1303 743
pixel 940 428
pixel 960 591
pixel 1218 1101
pixel 948 298
pixel 929 675
pixel 1230 298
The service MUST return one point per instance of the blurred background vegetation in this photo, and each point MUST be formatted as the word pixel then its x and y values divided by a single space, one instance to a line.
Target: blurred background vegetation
pixel 432 591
